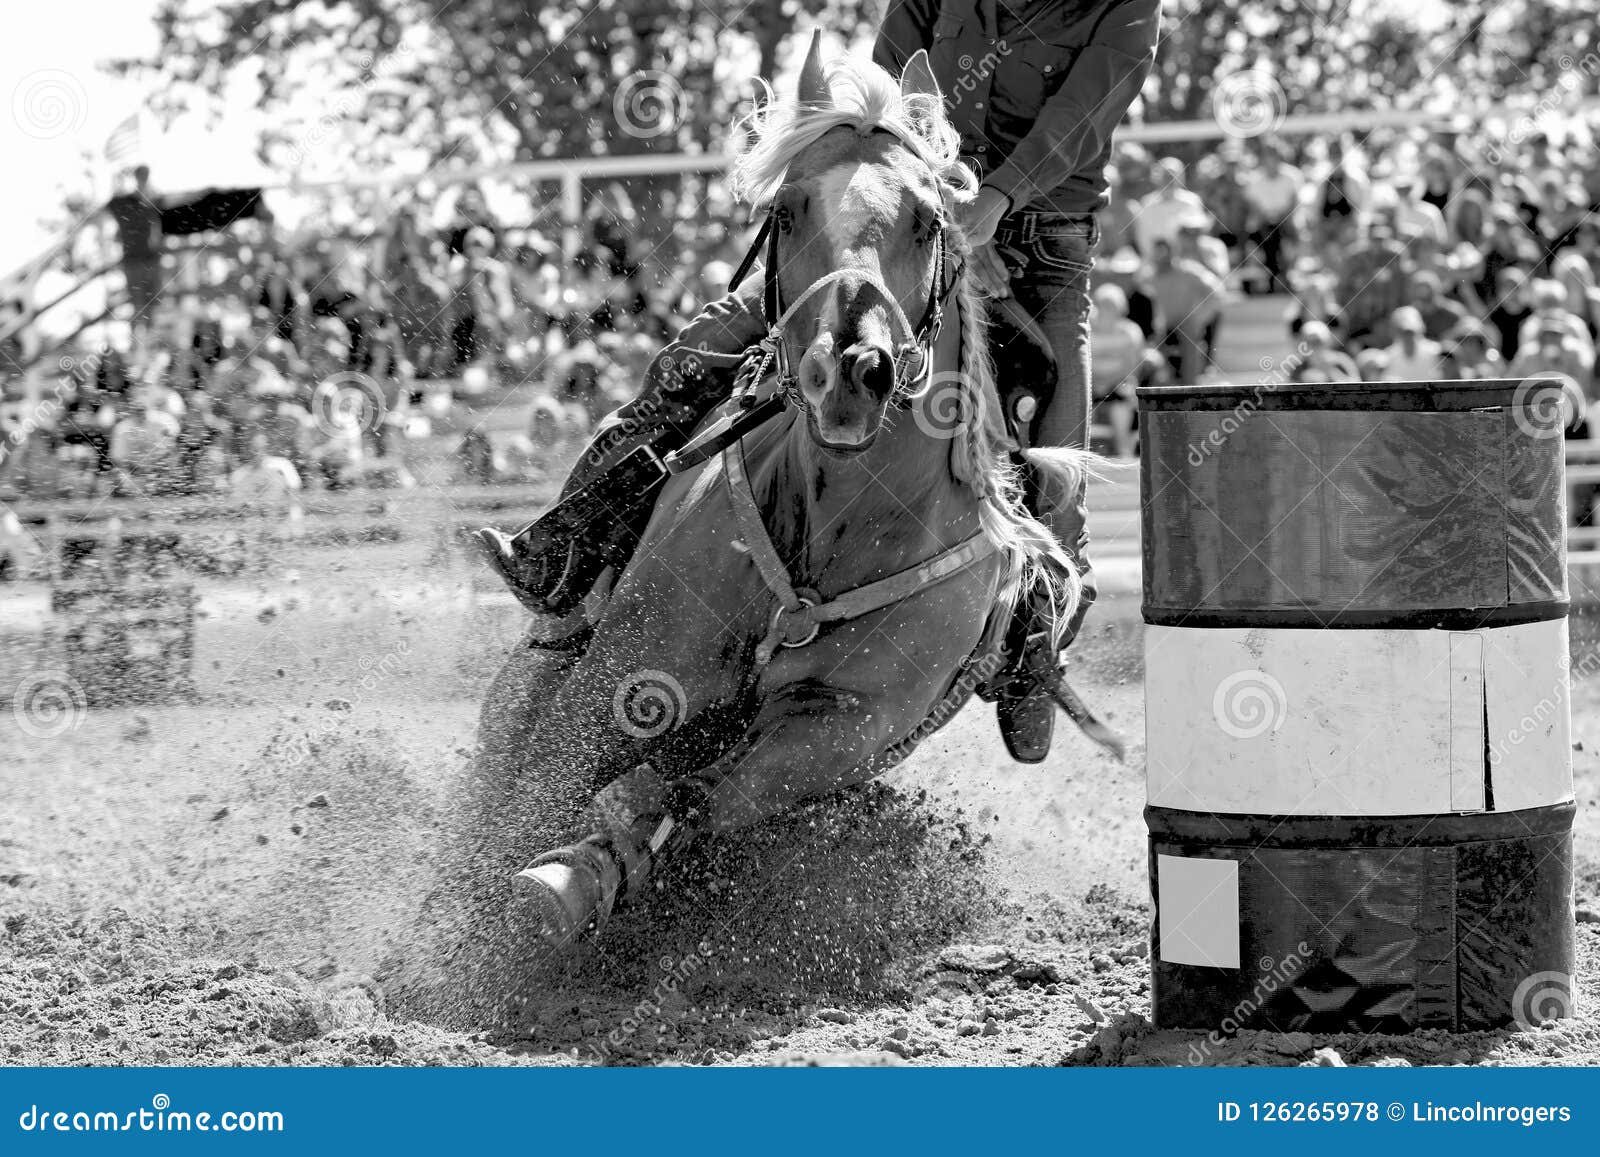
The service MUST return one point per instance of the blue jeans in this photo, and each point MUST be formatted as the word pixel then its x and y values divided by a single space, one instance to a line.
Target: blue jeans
pixel 1051 257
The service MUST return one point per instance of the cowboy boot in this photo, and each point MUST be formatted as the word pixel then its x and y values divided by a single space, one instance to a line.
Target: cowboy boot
pixel 1024 707
pixel 551 564
pixel 1026 693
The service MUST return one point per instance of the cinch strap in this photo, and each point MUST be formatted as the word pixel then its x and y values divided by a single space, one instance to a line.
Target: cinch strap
pixel 801 613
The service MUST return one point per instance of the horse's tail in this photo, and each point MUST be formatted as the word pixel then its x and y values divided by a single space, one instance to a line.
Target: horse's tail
pixel 1039 564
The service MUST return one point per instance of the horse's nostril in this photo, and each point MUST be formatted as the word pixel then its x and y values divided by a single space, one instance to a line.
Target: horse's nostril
pixel 870 368
pixel 813 373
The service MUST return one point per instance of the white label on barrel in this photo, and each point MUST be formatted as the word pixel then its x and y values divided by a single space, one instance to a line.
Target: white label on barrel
pixel 1198 910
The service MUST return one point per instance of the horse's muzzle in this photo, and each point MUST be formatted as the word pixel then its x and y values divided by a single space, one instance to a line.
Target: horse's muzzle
pixel 846 395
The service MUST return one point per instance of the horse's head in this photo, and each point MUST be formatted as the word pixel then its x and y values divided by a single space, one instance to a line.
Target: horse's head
pixel 859 220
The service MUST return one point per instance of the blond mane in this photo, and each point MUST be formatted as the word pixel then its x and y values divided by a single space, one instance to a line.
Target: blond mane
pixel 865 98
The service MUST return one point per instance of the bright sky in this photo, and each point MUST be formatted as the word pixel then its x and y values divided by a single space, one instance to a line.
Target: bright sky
pixel 60 103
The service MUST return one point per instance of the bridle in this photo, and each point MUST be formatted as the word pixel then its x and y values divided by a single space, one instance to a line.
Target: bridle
pixel 913 358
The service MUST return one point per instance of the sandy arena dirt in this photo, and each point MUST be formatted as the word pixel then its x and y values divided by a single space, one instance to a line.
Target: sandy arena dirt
pixel 238 880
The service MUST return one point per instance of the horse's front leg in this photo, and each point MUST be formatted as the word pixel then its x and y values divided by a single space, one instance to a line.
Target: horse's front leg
pixel 572 887
pixel 807 741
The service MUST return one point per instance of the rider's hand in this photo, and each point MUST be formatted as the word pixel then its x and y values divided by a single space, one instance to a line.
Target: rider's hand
pixel 980 217
pixel 994 279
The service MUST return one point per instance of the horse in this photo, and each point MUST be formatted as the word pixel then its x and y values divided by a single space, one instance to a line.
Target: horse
pixel 811 602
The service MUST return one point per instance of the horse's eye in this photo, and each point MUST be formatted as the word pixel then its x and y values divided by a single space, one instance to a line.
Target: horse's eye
pixel 787 207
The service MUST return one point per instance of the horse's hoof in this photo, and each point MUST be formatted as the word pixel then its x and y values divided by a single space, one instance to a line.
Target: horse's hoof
pixel 559 898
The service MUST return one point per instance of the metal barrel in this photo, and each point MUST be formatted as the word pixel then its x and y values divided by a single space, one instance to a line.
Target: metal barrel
pixel 1358 731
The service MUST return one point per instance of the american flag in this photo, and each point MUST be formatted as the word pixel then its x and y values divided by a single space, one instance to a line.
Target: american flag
pixel 124 144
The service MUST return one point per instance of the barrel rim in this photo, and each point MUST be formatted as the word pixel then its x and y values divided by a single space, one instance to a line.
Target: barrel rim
pixel 1358 619
pixel 1379 397
pixel 1232 830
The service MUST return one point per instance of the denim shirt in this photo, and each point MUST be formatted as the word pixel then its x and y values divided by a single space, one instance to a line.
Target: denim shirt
pixel 1035 88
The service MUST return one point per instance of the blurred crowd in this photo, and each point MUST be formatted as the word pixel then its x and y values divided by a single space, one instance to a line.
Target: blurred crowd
pixel 328 360
pixel 338 361
pixel 1408 256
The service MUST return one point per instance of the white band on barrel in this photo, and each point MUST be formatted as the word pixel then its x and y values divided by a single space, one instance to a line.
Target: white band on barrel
pixel 1358 722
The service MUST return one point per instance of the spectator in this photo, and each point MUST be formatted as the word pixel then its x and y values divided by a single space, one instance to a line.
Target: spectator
pixel 1375 365
pixel 1413 357
pixel 1468 218
pixel 1437 184
pixel 1469 353
pixel 1221 187
pixel 1166 210
pixel 203 438
pixel 1121 362
pixel 1375 281
pixel 1116 219
pixel 142 446
pixel 1550 312
pixel 1188 297
pixel 1510 310
pixel 1341 196
pixel 1314 293
pixel 1551 350
pixel 1414 217
pixel 472 216
pixel 1439 314
pixel 1508 244
pixel 1323 361
pixel 1574 274
pixel 1274 199
pixel 265 482
pixel 1210 253
pixel 139 232
pixel 480 299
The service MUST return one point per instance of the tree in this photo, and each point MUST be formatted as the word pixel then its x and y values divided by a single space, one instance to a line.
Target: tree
pixel 482 80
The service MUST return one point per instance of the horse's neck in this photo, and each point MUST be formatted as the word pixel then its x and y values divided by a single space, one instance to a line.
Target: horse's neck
pixel 839 522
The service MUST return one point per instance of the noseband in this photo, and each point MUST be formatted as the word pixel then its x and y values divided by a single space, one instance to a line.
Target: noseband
pixel 913 358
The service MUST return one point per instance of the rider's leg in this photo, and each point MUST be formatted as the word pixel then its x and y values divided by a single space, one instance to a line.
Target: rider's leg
pixel 681 385
pixel 1052 286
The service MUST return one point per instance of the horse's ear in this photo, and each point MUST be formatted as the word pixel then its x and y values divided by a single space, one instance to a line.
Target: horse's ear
pixel 814 91
pixel 918 78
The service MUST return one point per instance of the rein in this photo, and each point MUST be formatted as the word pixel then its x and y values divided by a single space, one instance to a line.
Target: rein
pixel 913 359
